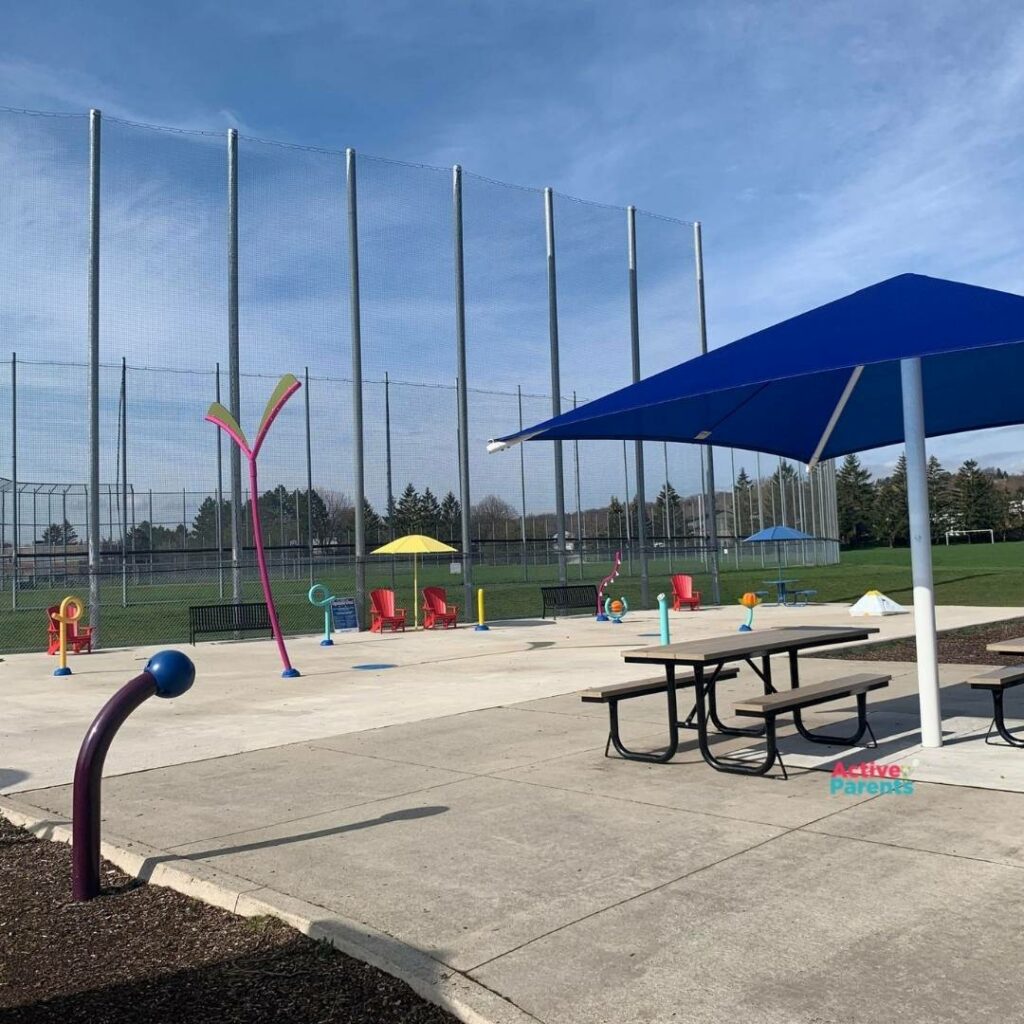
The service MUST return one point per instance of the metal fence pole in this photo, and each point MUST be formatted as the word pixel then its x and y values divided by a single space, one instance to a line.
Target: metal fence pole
pixel 522 485
pixel 218 519
pixel 579 509
pixel 556 379
pixel 95 119
pixel 735 520
pixel 670 511
pixel 387 454
pixel 460 353
pixel 709 507
pixel 357 384
pixel 309 485
pixel 124 483
pixel 634 334
pixel 15 496
pixel 387 468
pixel 629 538
pixel 234 382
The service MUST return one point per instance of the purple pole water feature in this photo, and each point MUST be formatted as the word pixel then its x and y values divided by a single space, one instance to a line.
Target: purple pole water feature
pixel 167 674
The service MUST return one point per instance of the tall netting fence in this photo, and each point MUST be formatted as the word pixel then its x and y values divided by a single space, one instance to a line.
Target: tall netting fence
pixel 172 296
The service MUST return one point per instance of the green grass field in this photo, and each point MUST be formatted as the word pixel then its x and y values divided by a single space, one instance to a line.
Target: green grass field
pixel 977 574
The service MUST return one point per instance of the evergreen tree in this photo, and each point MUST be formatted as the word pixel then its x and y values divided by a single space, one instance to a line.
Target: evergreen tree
pixel 977 504
pixel 782 486
pixel 854 498
pixel 616 517
pixel 373 525
pixel 58 534
pixel 204 526
pixel 743 489
pixel 429 513
pixel 277 515
pixel 666 510
pixel 941 503
pixel 451 516
pixel 406 518
pixel 891 523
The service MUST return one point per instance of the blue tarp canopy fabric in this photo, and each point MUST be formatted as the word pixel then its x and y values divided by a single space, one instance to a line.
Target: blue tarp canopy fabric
pixel 777 534
pixel 778 391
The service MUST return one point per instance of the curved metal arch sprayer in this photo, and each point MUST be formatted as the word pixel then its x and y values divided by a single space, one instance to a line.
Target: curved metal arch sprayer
pixel 222 418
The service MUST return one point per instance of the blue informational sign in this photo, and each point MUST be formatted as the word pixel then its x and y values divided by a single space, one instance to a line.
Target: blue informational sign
pixel 344 615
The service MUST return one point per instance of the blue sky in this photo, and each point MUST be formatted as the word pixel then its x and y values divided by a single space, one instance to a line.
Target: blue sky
pixel 823 145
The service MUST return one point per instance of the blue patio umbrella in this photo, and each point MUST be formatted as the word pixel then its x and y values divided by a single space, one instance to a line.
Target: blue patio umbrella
pixel 905 359
pixel 777 535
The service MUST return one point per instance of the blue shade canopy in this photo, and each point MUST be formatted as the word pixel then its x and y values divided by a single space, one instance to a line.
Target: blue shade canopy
pixel 776 533
pixel 827 382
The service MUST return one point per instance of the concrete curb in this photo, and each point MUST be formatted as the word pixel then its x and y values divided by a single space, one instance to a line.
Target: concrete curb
pixel 467 1000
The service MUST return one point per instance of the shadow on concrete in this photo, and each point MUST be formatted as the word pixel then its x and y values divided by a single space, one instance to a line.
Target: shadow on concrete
pixel 520 623
pixel 11 777
pixel 409 814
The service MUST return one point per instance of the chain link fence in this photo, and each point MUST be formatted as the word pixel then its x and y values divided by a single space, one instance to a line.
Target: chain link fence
pixel 175 286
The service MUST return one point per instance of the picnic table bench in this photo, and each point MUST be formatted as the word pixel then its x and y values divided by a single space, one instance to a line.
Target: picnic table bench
pixel 247 617
pixel 997 681
pixel 565 598
pixel 769 707
pixel 615 692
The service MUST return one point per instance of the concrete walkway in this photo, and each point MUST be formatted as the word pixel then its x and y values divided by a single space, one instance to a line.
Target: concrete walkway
pixel 240 702
pixel 497 860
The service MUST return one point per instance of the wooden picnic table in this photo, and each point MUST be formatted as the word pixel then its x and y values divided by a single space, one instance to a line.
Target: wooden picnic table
pixel 707 657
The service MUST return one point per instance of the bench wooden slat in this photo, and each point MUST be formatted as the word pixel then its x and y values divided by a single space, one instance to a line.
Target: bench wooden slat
pixel 642 687
pixel 998 678
pixel 228 618
pixel 815 693
pixel 572 595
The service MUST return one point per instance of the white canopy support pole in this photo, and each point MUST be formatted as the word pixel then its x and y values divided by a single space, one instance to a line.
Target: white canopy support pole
pixel 836 413
pixel 921 553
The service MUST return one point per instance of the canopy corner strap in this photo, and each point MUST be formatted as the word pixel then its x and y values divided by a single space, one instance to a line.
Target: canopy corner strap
pixel 924 339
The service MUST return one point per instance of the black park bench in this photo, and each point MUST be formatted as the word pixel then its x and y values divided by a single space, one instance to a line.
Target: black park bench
pixel 228 618
pixel 997 681
pixel 615 692
pixel 769 707
pixel 563 599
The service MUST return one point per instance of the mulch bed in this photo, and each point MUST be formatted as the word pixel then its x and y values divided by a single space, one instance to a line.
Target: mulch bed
pixel 143 954
pixel 956 646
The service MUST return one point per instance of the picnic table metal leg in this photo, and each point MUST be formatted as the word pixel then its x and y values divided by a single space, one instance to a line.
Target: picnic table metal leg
pixel 731 765
pixel 999 721
pixel 818 737
pixel 726 730
pixel 654 757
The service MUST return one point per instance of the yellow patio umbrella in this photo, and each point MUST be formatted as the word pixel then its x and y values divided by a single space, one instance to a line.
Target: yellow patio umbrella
pixel 414 544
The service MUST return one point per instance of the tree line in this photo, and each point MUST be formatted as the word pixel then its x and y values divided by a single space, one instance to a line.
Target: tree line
pixel 873 511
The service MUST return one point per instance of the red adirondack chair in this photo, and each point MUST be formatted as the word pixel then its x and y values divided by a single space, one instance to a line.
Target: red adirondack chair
pixel 383 613
pixel 79 637
pixel 437 611
pixel 683 593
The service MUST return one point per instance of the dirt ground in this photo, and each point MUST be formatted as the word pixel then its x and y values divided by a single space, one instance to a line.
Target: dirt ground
pixel 956 646
pixel 143 954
